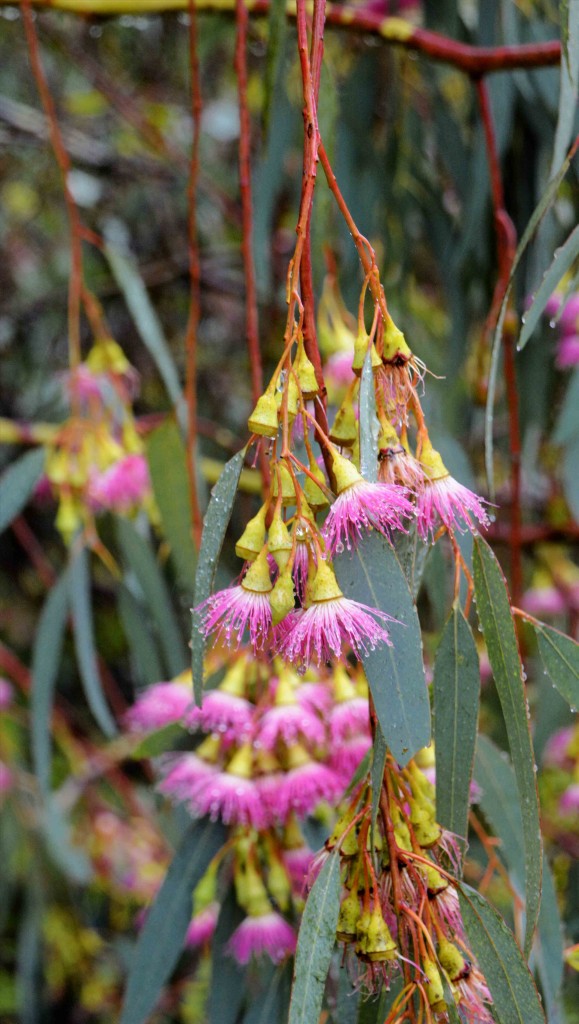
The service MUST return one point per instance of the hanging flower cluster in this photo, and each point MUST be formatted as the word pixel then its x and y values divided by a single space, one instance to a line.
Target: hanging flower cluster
pixel 96 462
pixel 399 911
pixel 276 746
pixel 287 600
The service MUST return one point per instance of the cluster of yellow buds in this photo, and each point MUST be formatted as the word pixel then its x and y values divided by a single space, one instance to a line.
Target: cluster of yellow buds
pixel 400 910
pixel 96 461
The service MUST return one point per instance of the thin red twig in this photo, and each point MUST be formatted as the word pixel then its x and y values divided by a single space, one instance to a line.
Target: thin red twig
pixel 192 330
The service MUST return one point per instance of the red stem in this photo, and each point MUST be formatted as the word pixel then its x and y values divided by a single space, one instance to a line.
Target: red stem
pixel 192 329
pixel 251 306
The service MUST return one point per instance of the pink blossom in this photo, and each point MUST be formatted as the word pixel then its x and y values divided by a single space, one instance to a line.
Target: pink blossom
pixel 6 694
pixel 364 506
pixel 338 369
pixel 474 994
pixel 304 554
pixel 397 466
pixel 568 322
pixel 544 601
pixel 348 718
pixel 83 384
pixel 227 713
pixel 228 613
pixel 452 503
pixel 267 935
pixel 345 758
pixel 302 788
pixel 569 800
pixel 160 705
pixel 327 628
pixel 567 351
pixel 233 799
pixel 290 722
pixel 202 927
pixel 315 695
pixel 125 484
pixel 183 774
pixel 557 750
pixel 298 862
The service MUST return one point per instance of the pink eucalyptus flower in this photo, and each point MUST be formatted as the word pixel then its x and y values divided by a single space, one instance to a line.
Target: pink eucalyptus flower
pixel 122 486
pixel 569 800
pixel 160 705
pixel 303 787
pixel 348 718
pixel 451 503
pixel 474 995
pixel 290 722
pixel 345 758
pixel 568 322
pixel 557 750
pixel 228 613
pixel 183 773
pixel 304 554
pixel 202 927
pixel 298 863
pixel 567 351
pixel 267 935
pixel 315 695
pixel 544 601
pixel 227 713
pixel 363 506
pixel 338 369
pixel 230 798
pixel 328 628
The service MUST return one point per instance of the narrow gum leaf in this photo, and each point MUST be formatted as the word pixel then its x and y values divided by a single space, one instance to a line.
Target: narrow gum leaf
pixel 368 454
pixel 84 642
pixel 316 941
pixel 46 655
pixel 563 258
pixel 494 612
pixel 167 460
pixel 560 658
pixel 17 483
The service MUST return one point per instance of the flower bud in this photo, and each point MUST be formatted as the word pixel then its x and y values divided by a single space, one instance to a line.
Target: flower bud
pixel 306 373
pixel 348 918
pixel 263 419
pixel 278 883
pixel 360 350
pixel 344 430
pixel 426 829
pixel 257 577
pixel 324 586
pixel 253 537
pixel 345 473
pixel 314 495
pixel 282 597
pixel 380 945
pixel 452 960
pixel 279 542
pixel 434 987
pixel 68 517
pixel 288 491
pixel 432 463
pixel 395 346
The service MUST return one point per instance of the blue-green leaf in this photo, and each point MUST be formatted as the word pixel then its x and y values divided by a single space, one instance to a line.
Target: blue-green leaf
pixel 368 422
pixel 167 460
pixel 560 657
pixel 372 575
pixel 46 655
pixel 456 699
pixel 515 997
pixel 140 558
pixel 562 260
pixel 216 522
pixel 17 484
pixel 83 634
pixel 494 612
pixel 161 939
pixel 548 949
pixel 146 663
pixel 316 940
pixel 379 752
pixel 569 81
pixel 228 984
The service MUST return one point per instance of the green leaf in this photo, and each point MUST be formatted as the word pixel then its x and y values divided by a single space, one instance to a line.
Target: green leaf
pixel 567 426
pixel 214 528
pixel 560 657
pixel 140 558
pixel 368 422
pixel 161 939
pixel 500 805
pixel 372 575
pixel 46 657
pixel 159 741
pixel 515 997
pixel 570 476
pixel 228 983
pixel 29 957
pixel 71 859
pixel 347 1000
pixel 276 36
pixel 456 699
pixel 568 83
pixel 147 667
pixel 412 552
pixel 167 460
pixel 17 484
pixel 562 260
pixel 539 212
pixel 83 635
pixel 495 617
pixel 316 940
pixel 126 273
pixel 270 1004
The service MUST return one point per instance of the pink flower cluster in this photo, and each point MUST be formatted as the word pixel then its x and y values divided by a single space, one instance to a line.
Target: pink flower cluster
pixel 564 314
pixel 121 487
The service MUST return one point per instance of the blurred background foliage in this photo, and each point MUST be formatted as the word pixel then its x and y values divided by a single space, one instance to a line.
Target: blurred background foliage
pixel 407 145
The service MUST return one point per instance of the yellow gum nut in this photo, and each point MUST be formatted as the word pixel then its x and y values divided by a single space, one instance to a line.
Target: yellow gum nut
pixel 314 495
pixel 263 419
pixel 434 880
pixel 395 345
pixel 209 749
pixel 235 679
pixel 324 586
pixel 348 918
pixel 343 687
pixel 288 491
pixel 434 986
pixel 297 757
pixel 251 892
pixel 451 959
pixel 306 373
pixel 282 597
pixel 431 462
pixel 293 395
pixel 362 932
pixel 253 537
pixel 257 578
pixel 380 946
pixel 344 429
pixel 388 438
pixel 402 836
pixel 426 829
pixel 345 473
pixel 107 356
pixel 278 883
pixel 360 350
pixel 241 763
pixel 279 542
pixel 205 891
pixel 285 692
pixel 68 517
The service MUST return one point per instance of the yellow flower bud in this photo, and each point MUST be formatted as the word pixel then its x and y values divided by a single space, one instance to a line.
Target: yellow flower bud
pixel 306 373
pixel 288 491
pixel 344 429
pixel 324 586
pixel 315 497
pixel 345 473
pixel 395 346
pixel 282 597
pixel 279 542
pixel 434 986
pixel 360 350
pixel 348 918
pixel 263 419
pixel 253 537
pixel 257 577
